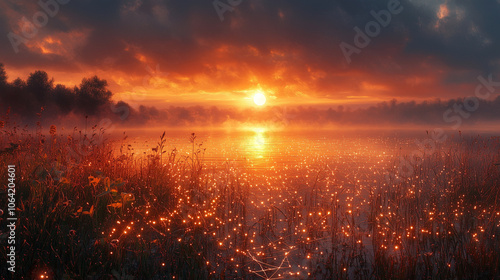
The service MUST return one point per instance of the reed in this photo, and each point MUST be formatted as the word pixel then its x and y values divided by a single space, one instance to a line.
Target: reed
pixel 90 210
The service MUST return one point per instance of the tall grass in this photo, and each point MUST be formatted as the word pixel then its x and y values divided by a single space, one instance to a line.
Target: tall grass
pixel 89 209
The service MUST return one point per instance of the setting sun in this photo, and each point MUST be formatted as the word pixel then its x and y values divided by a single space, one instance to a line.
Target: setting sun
pixel 259 98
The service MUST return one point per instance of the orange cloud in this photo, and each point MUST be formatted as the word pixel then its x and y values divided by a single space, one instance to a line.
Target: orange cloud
pixel 443 11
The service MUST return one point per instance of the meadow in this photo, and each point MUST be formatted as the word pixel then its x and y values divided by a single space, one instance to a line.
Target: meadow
pixel 91 208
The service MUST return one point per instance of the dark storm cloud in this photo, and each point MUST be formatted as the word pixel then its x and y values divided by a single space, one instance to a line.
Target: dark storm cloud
pixel 467 38
pixel 262 38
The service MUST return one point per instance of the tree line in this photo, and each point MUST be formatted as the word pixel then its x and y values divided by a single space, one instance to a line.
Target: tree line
pixel 39 94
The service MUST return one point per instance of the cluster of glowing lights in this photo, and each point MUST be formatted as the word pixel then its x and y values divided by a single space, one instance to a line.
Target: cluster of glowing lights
pixel 279 222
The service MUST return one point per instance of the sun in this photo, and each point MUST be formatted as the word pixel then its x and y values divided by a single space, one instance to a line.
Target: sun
pixel 259 98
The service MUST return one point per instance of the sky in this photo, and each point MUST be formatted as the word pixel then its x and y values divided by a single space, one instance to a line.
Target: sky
pixel 219 53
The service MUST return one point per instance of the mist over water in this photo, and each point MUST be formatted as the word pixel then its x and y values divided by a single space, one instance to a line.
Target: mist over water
pixel 263 148
pixel 352 156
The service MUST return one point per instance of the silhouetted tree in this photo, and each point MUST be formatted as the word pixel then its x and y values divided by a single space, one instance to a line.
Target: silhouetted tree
pixel 16 97
pixel 3 77
pixel 40 86
pixel 64 98
pixel 19 83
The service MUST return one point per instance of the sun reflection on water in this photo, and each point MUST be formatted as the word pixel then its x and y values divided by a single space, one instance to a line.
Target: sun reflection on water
pixel 258 143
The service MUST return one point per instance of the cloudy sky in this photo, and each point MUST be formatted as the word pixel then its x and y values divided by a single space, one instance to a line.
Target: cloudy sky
pixel 171 52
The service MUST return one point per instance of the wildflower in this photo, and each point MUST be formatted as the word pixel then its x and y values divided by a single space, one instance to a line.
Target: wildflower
pixel 53 130
pixel 72 232
pixel 2 124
